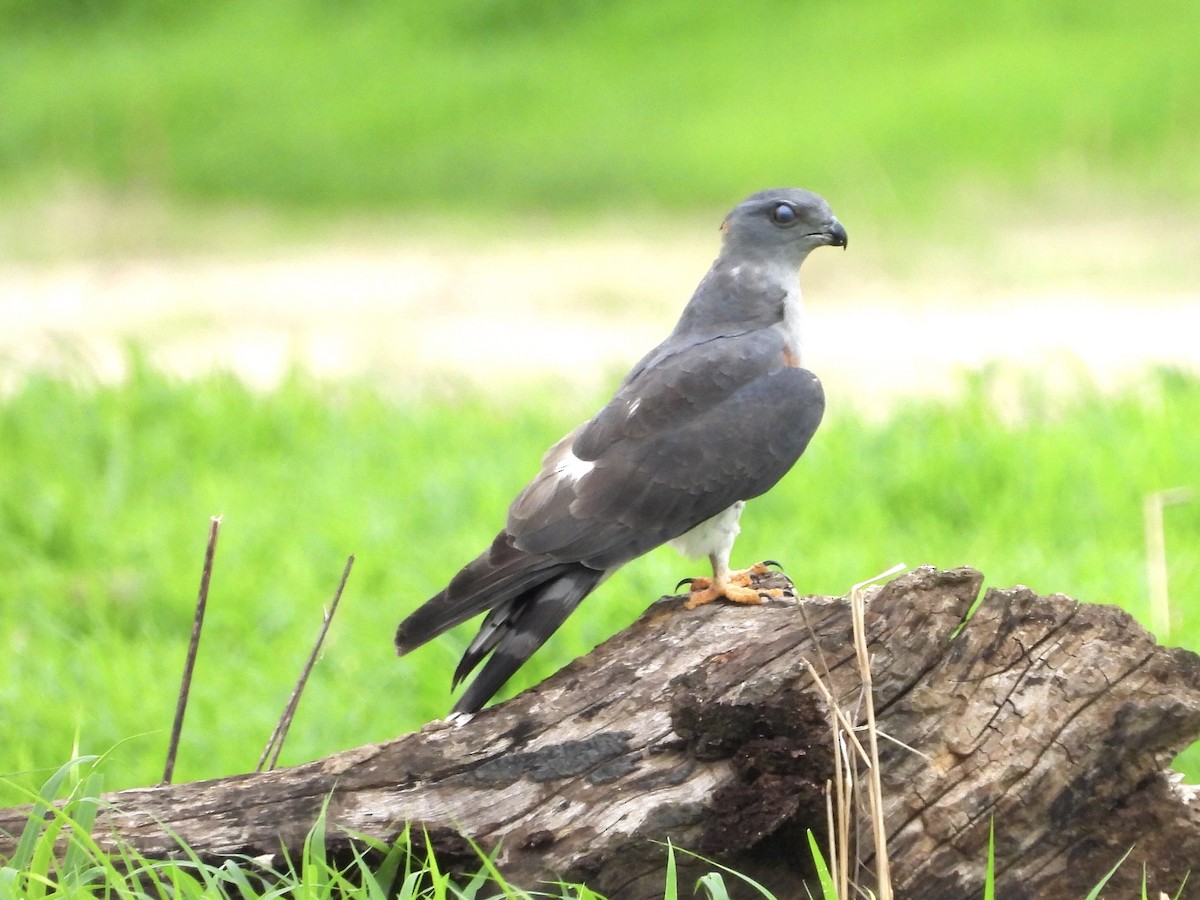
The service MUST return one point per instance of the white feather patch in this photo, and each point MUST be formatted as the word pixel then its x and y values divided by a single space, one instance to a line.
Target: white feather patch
pixel 793 322
pixel 571 468
pixel 713 536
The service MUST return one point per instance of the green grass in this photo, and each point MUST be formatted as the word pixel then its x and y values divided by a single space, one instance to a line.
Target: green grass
pixel 488 106
pixel 405 869
pixel 107 490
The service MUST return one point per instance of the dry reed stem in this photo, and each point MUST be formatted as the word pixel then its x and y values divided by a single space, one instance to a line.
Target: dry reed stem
pixel 840 726
pixel 840 797
pixel 189 665
pixel 883 875
pixel 1156 556
pixel 270 754
pixel 843 786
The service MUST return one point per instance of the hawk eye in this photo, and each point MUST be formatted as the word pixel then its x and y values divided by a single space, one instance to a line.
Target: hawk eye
pixel 783 214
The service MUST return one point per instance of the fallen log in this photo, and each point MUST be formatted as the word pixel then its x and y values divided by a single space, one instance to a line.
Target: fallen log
pixel 1053 719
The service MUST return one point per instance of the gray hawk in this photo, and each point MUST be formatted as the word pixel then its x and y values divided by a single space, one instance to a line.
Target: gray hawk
pixel 714 415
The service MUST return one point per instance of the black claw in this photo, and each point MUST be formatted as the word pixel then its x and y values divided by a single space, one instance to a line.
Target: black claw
pixel 683 582
pixel 772 562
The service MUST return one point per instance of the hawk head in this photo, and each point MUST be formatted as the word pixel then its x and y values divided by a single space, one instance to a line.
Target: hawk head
pixel 780 225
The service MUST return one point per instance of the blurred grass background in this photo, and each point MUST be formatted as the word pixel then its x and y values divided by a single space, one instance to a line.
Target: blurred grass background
pixel 477 108
pixel 462 115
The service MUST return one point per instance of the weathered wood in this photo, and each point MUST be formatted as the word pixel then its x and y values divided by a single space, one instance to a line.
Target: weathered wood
pixel 1052 718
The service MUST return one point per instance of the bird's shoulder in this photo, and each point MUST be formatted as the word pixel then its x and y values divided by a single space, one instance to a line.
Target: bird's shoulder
pixel 682 378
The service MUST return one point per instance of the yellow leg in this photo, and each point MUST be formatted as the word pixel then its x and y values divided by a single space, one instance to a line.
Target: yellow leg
pixel 736 586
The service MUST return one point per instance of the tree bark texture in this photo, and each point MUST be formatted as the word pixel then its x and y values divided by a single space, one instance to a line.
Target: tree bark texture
pixel 1053 719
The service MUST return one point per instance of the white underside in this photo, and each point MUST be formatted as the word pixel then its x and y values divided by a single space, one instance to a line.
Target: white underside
pixel 713 537
pixel 793 322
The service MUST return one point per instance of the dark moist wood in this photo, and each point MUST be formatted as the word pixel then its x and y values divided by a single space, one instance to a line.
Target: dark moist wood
pixel 1054 719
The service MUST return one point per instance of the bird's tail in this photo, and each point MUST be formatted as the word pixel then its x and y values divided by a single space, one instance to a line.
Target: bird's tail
pixel 528 595
pixel 512 631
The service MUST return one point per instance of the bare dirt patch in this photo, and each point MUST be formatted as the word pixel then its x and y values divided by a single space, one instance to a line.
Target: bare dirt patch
pixel 1099 302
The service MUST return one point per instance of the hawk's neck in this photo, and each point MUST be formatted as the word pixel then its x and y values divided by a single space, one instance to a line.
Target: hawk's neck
pixel 736 297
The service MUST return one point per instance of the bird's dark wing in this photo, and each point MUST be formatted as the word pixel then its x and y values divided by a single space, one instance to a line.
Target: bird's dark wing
pixel 715 422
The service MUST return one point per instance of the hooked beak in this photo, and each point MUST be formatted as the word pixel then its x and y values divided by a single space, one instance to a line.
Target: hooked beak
pixel 835 235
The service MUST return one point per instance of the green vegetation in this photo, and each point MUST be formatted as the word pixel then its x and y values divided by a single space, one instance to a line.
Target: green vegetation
pixel 405 870
pixel 107 490
pixel 483 107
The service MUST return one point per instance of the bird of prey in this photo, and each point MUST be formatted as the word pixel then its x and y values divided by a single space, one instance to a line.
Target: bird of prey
pixel 714 415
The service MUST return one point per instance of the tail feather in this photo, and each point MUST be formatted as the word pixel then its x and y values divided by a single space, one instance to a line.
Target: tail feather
pixel 529 595
pixel 499 574
pixel 514 631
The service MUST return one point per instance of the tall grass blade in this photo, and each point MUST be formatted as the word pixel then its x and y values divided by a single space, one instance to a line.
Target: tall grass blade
pixel 45 797
pixel 83 816
pixel 989 881
pixel 378 880
pixel 713 885
pixel 313 866
pixel 824 877
pixel 746 879
pixel 1094 893
pixel 672 888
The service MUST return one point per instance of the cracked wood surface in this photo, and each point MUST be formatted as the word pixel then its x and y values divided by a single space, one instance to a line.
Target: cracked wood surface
pixel 1054 719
